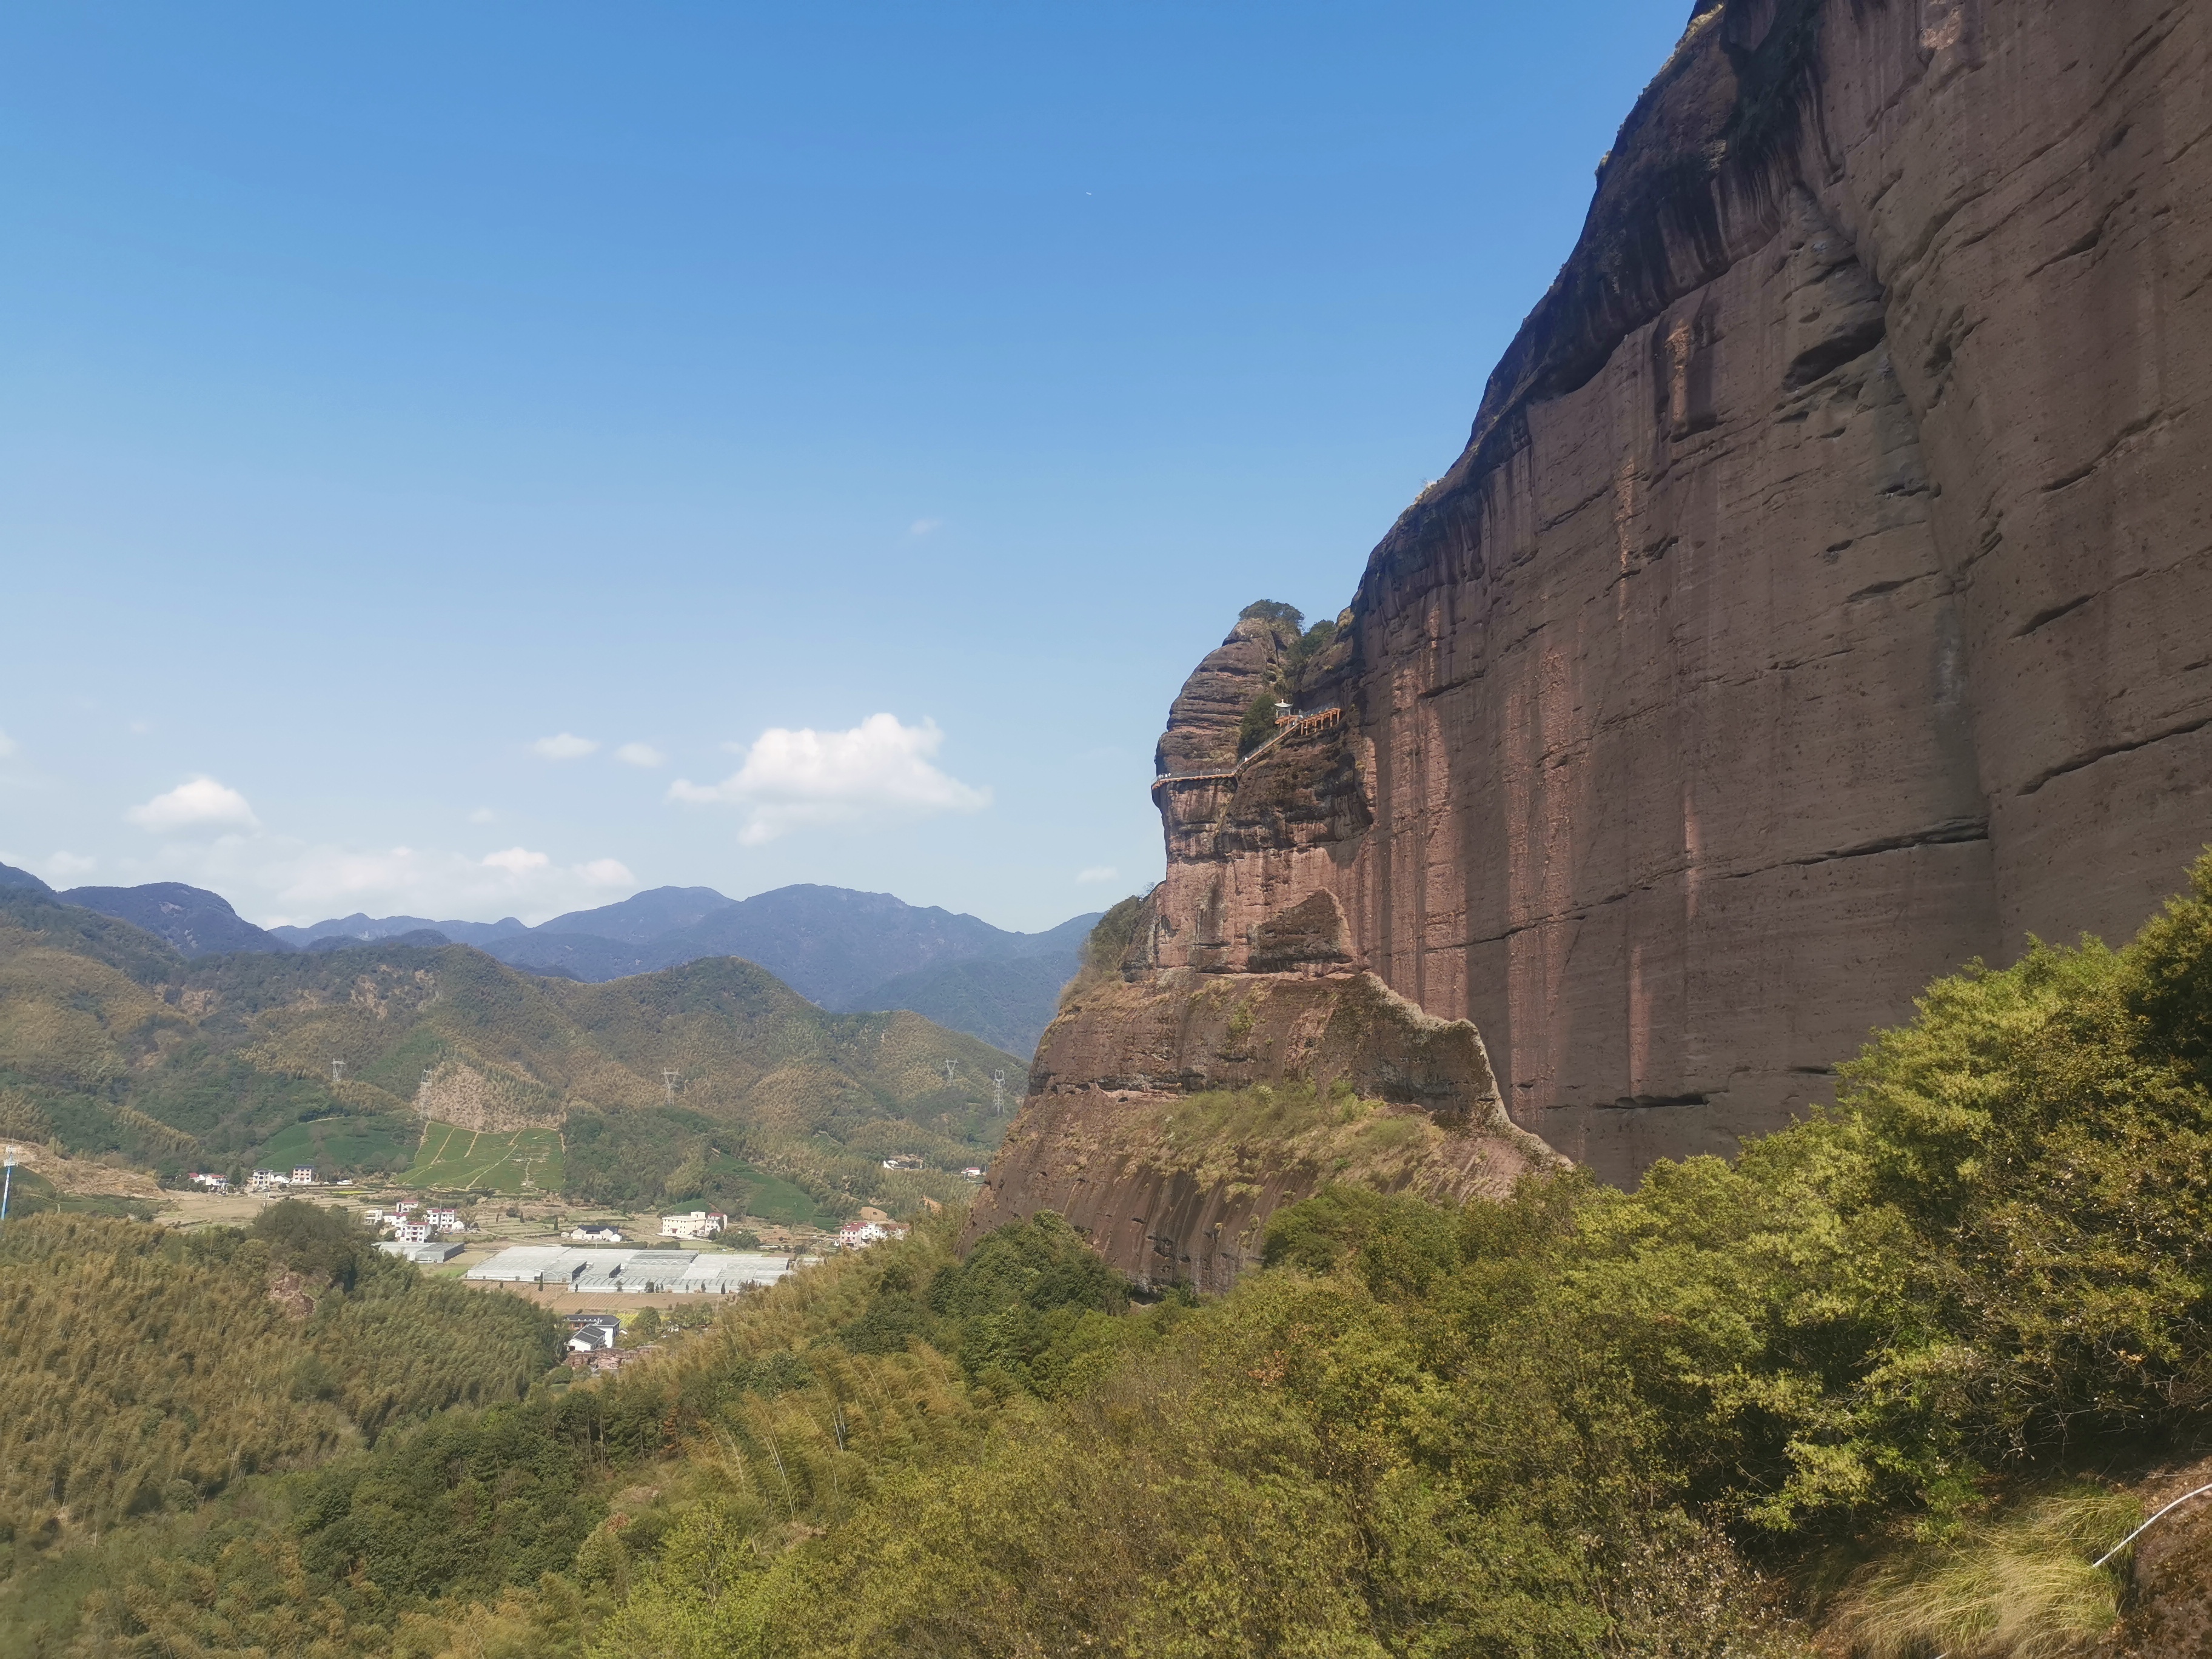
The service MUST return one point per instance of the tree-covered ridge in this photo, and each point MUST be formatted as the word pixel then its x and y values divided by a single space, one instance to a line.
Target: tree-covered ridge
pixel 1868 1376
pixel 148 1370
pixel 110 1043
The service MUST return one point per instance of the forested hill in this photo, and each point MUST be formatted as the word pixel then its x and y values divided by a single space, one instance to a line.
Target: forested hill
pixel 147 1370
pixel 852 951
pixel 111 1041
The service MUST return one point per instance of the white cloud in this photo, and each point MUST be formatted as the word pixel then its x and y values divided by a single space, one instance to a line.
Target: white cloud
pixel 8 746
pixel 640 754
pixel 1096 872
pixel 923 526
pixel 275 880
pixel 565 745
pixel 200 804
pixel 880 768
pixel 522 863
pixel 483 815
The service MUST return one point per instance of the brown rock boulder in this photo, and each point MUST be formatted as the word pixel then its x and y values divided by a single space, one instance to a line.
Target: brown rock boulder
pixel 1173 1111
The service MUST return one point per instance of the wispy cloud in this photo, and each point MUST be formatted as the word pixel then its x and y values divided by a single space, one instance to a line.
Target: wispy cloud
pixel 640 754
pixel 276 880
pixel 199 803
pixel 564 746
pixel 62 868
pixel 483 815
pixel 1096 872
pixel 8 746
pixel 880 768
pixel 923 526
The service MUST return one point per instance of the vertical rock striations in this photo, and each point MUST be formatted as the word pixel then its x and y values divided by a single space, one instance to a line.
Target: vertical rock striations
pixel 1823 598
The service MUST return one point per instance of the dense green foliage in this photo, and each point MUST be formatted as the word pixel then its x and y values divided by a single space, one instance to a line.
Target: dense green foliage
pixel 146 1369
pixel 1258 724
pixel 638 1160
pixel 1577 1421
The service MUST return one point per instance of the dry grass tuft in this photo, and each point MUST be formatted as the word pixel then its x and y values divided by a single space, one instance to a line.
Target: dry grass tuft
pixel 2018 1586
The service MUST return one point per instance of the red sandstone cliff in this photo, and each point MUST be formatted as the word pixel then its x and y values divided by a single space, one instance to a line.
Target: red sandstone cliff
pixel 1823 598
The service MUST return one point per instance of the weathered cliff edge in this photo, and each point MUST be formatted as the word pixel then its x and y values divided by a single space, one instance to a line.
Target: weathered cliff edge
pixel 1173 1112
pixel 1823 598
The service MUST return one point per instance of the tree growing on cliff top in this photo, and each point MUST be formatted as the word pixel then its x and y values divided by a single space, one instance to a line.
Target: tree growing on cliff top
pixel 1274 611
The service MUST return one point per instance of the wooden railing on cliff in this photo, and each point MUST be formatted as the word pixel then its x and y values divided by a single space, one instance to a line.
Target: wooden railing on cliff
pixel 1291 726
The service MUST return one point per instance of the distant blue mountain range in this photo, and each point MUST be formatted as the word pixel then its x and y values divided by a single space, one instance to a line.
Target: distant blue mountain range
pixel 847 951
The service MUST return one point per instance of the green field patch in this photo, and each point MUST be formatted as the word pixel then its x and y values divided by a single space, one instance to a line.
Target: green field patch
pixel 340 1146
pixel 521 1160
pixel 767 1197
pixel 30 1193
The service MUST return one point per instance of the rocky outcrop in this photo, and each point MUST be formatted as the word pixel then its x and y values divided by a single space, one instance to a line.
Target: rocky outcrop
pixel 1823 598
pixel 1172 1112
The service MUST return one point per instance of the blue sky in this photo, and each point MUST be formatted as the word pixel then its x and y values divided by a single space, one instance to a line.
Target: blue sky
pixel 852 421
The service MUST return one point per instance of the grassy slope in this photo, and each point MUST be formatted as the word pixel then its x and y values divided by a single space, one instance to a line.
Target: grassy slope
pixel 461 1160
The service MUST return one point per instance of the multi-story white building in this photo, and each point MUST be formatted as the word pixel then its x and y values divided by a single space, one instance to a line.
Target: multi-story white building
pixel 303 1176
pixel 858 1235
pixel 411 1232
pixel 267 1181
pixel 700 1224
pixel 444 1221
pixel 213 1183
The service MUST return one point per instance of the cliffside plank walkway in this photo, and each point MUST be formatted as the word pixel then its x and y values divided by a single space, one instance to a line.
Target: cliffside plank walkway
pixel 1293 727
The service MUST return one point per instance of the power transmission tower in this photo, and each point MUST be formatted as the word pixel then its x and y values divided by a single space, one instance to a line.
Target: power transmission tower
pixel 997 1091
pixel 949 1069
pixel 337 1072
pixel 668 1081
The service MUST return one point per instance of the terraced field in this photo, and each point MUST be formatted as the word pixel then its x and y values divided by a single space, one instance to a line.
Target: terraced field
pixel 523 1160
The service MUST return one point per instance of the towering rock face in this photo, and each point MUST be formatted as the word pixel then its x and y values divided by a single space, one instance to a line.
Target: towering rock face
pixel 1823 599
pixel 1825 595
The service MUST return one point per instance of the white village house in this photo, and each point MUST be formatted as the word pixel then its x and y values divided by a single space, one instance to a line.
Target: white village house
pixel 700 1224
pixel 858 1235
